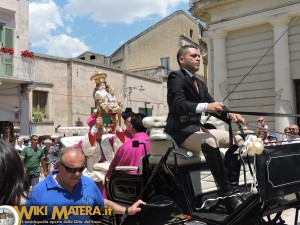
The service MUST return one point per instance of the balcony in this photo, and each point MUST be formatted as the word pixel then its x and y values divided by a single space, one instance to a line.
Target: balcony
pixel 19 69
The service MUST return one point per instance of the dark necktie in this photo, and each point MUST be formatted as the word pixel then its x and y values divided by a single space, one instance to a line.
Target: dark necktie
pixel 195 82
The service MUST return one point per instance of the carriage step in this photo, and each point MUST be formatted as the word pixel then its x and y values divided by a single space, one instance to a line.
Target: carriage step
pixel 195 223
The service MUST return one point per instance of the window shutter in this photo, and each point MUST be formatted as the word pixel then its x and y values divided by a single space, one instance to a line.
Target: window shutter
pixel 8 37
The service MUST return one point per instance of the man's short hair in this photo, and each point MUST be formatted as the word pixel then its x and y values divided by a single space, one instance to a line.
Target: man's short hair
pixel 48 141
pixel 32 136
pixel 127 113
pixel 64 150
pixel 183 51
pixel 137 122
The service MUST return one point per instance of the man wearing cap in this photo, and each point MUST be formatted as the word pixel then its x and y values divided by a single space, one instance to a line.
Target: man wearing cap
pixel 262 123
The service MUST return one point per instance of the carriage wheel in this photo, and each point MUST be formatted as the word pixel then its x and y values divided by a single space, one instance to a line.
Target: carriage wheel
pixel 272 219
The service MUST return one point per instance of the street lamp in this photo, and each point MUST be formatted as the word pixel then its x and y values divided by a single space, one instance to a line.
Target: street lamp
pixel 140 88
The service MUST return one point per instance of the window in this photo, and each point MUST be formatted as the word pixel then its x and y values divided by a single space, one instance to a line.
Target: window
pixel 165 63
pixel 6 40
pixel 146 111
pixel 191 33
pixel 39 106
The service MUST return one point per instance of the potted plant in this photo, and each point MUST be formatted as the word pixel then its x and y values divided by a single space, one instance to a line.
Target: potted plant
pixel 37 117
pixel 27 55
pixel 6 52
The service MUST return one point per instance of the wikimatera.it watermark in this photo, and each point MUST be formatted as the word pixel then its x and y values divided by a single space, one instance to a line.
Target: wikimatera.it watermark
pixel 59 214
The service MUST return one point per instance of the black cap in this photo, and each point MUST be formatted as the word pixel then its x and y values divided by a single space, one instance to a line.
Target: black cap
pixel 127 113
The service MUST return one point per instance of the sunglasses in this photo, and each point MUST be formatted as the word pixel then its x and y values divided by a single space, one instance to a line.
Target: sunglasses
pixel 72 170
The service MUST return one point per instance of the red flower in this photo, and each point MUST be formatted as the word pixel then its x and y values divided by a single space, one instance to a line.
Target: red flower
pixel 7 50
pixel 27 53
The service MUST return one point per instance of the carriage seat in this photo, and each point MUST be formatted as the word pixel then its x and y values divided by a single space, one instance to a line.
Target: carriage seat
pixel 160 141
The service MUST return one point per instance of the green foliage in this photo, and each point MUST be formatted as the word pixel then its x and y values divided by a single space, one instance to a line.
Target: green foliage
pixel 37 117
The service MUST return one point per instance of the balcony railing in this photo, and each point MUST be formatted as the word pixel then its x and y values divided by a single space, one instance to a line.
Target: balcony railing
pixel 17 68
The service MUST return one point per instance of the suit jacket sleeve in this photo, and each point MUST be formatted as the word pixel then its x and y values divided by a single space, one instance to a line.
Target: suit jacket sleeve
pixel 181 94
pixel 183 98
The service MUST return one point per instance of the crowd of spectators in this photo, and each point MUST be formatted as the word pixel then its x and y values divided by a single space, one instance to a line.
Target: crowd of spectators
pixel 290 134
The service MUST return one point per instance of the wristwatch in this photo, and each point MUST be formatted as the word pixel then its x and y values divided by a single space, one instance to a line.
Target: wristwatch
pixel 126 211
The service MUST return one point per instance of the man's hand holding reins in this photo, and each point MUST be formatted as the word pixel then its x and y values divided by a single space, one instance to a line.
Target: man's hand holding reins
pixel 217 108
pixel 214 107
pixel 237 117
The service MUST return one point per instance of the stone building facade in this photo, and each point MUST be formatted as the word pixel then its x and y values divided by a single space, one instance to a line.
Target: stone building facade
pixel 69 91
pixel 50 92
pixel 241 34
pixel 14 71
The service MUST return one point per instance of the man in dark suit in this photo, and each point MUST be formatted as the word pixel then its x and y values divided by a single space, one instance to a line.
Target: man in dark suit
pixel 188 97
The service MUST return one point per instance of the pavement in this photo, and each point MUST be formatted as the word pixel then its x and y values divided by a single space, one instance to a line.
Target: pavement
pixel 289 217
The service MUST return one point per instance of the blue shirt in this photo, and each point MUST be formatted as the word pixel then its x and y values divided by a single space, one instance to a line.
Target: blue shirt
pixel 49 193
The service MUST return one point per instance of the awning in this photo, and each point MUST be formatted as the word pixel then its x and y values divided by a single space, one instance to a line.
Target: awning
pixel 9 108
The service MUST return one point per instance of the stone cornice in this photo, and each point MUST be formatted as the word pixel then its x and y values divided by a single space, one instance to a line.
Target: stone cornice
pixel 279 21
pixel 254 19
pixel 220 34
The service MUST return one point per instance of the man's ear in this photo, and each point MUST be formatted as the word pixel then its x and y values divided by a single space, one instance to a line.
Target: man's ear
pixel 181 59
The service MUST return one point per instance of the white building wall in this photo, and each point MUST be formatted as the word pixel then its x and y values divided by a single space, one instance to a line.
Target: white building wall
pixel 265 21
pixel 294 46
pixel 244 48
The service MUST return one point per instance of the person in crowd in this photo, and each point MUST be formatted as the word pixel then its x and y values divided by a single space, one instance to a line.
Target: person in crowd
pixel 54 149
pixel 187 98
pixel 12 141
pixel 125 135
pixel 13 176
pixel 127 155
pixel 293 136
pixel 294 130
pixel 262 133
pixel 47 146
pixel 245 128
pixel 122 135
pixel 272 140
pixel 67 183
pixel 95 150
pixel 20 145
pixel 32 157
pixel 262 123
pixel 286 132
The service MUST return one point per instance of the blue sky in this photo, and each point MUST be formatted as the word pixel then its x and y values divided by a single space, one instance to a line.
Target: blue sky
pixel 67 28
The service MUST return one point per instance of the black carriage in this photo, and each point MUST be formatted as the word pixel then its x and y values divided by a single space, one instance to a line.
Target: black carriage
pixel 179 188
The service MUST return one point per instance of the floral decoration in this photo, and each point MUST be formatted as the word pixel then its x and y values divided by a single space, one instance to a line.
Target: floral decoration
pixel 254 145
pixel 7 50
pixel 27 53
pixel 37 117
